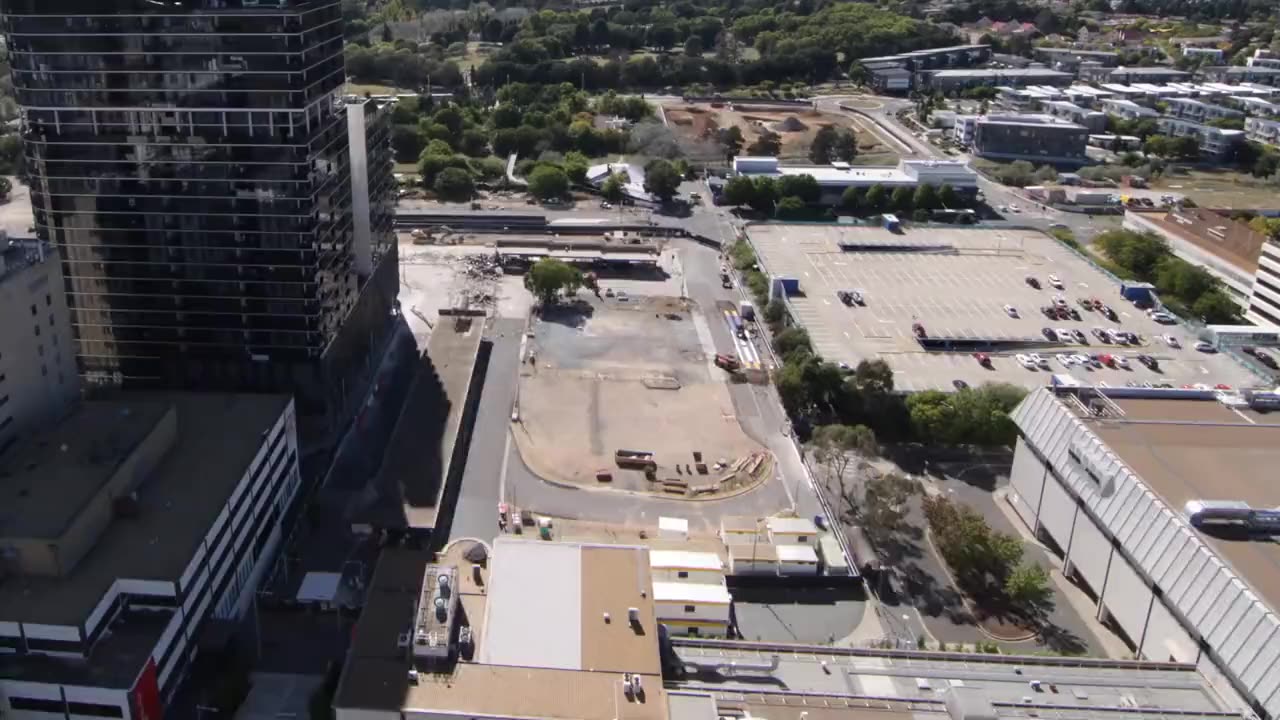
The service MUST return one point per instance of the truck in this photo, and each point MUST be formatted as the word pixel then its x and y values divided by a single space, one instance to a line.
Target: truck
pixel 890 222
pixel 1092 198
pixel 747 311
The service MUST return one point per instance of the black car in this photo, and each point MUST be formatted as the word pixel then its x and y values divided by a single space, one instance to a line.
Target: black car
pixel 960 384
pixel 1033 282
pixel 1249 350
pixel 1267 360
pixel 1149 361
pixel 1049 333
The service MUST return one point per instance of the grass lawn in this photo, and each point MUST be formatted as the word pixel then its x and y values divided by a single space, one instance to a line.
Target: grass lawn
pixel 1220 188
pixel 361 89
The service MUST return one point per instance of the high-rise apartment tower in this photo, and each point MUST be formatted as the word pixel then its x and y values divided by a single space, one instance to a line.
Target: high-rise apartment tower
pixel 191 162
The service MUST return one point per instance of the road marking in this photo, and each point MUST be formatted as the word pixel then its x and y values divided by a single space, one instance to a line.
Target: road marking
pixel 502 473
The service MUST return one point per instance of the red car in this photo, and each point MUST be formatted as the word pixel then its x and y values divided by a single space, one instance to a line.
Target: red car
pixel 982 359
pixel 1222 386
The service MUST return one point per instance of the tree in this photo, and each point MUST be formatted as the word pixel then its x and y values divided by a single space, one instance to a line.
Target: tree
pixel 548 182
pixel 851 198
pixel 804 187
pixel 6 187
pixel 831 143
pixel 926 197
pixel 693 46
pixel 548 278
pixel 575 167
pixel 901 199
pixel 884 504
pixel 739 190
pixel 1027 586
pixel 834 447
pixel 980 557
pixel 877 198
pixel 661 180
pixel 764 194
pixel 948 197
pixel 454 184
pixel 1215 308
pixel 612 190
pixel 874 376
pixel 775 312
pixel 731 140
pixel 1045 174
pixel 407 142
pixel 1266 226
pixel 792 341
pixel 1158 145
pixel 768 144
pixel 791 207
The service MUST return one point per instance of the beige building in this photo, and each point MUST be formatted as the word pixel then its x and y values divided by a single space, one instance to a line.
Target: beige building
pixel 38 379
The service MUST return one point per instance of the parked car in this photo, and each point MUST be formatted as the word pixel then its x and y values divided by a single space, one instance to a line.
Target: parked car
pixel 1025 361
pixel 1054 281
pixel 1011 311
pixel 1049 333
pixel 1081 359
pixel 1067 359
pixel 918 330
pixel 1122 362
pixel 1079 336
pixel 1172 341
pixel 983 359
pixel 1040 360
pixel 1148 361
pixel 1109 313
pixel 1267 359
pixel 1033 282
pixel 960 384
pixel 1205 347
pixel 1101 334
pixel 1249 350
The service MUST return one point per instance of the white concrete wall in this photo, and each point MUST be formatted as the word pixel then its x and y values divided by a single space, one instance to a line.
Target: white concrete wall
pixel 701 577
pixel 797 568
pixel 677 611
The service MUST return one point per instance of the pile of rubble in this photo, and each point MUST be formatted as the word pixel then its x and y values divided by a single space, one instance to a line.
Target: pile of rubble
pixel 476 281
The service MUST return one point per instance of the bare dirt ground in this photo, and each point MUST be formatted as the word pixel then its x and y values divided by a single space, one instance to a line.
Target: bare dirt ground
pixel 636 375
pixel 796 128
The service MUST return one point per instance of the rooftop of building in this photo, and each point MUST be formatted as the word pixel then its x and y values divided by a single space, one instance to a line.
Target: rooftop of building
pixel 553 636
pixel 906 172
pixel 44 479
pixel 1189 446
pixel 412 479
pixel 1150 71
pixel 685 560
pixel 18 254
pixel 1074 51
pixel 1230 240
pixel 1003 72
pixel 901 684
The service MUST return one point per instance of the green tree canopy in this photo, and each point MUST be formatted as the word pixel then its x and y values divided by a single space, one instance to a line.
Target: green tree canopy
pixel 791 207
pixel 612 190
pixel 548 182
pixel 454 184
pixel 901 199
pixel 926 197
pixel 661 179
pixel 877 199
pixel 739 190
pixel 549 278
pixel 852 198
pixel 832 143
pixel 769 144
pixel 804 187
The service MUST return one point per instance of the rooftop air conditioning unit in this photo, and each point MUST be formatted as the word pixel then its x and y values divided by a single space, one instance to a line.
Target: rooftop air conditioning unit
pixel 402 640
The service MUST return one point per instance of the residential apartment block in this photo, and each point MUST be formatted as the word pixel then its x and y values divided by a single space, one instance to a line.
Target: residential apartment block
pixel 1192 109
pixel 1128 109
pixel 1242 74
pixel 140 523
pixel 1262 130
pixel 1215 143
pixel 38 379
pixel 956 80
pixel 1093 120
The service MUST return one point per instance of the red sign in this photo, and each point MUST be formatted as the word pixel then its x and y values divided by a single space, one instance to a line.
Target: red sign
pixel 144 698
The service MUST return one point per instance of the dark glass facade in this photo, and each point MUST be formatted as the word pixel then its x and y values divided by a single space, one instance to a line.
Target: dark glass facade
pixel 191 160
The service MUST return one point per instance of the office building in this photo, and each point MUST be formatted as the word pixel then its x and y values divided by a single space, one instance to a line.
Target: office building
pixel 568 631
pixel 1262 130
pixel 1226 248
pixel 191 162
pixel 140 523
pixel 1116 481
pixel 835 178
pixel 1215 143
pixel 1264 302
pixel 38 379
pixel 1094 120
pixel 957 80
pixel 1035 138
pixel 1197 111
pixel 890 79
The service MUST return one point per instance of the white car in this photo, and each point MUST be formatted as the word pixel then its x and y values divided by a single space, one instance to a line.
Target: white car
pixel 1054 281
pixel 1081 359
pixel 1172 341
pixel 1011 311
pixel 1066 359
pixel 1121 361
pixel 1039 360
pixel 1064 335
pixel 1163 317
pixel 1205 347
pixel 1025 361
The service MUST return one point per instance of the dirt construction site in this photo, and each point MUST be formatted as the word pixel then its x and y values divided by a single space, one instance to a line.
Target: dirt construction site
pixel 636 375
pixel 794 127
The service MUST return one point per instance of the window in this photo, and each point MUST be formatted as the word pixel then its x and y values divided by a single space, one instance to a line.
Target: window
pixel 693 631
pixel 37 705
pixel 682 574
pixel 33 311
pixel 803 539
pixel 690 608
pixel 37 331
pixel 95 710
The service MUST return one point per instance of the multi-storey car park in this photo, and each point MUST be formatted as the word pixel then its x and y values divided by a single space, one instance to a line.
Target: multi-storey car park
pixel 1160 503
pixel 192 163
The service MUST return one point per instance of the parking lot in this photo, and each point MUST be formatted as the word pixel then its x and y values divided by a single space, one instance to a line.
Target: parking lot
pixel 956 283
